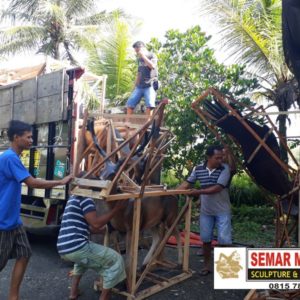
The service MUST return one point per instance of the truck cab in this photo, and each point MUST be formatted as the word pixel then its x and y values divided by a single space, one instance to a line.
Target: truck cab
pixel 50 103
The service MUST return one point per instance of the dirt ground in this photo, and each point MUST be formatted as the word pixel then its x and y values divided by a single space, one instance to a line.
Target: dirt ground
pixel 47 279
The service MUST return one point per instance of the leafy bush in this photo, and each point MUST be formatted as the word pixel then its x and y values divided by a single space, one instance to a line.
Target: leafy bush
pixel 254 225
pixel 168 177
pixel 263 215
pixel 244 191
pixel 187 67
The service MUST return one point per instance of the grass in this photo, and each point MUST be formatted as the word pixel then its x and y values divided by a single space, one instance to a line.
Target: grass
pixel 253 219
pixel 252 225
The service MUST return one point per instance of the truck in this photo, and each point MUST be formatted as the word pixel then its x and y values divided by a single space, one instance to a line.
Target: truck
pixel 51 103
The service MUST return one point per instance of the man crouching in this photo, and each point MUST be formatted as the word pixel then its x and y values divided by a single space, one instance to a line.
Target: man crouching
pixel 79 220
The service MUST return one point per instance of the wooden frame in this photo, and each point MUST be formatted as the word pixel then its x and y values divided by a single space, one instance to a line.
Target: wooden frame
pixel 153 154
pixel 283 230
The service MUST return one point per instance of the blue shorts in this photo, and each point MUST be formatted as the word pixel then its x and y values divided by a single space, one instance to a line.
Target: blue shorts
pixel 223 224
pixel 148 93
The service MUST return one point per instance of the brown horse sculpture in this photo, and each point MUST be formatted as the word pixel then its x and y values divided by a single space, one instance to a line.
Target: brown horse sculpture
pixel 157 213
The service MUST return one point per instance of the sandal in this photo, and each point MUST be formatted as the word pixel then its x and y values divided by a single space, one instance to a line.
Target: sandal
pixel 204 272
pixel 75 297
pixel 199 252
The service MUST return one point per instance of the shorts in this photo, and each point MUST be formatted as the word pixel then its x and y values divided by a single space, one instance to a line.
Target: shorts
pixel 13 244
pixel 223 224
pixel 105 261
pixel 148 93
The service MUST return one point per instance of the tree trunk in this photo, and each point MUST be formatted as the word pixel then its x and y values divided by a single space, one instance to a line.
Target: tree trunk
pixel 56 52
pixel 283 130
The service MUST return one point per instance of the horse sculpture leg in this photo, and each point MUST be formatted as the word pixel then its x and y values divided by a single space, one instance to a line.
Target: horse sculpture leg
pixel 156 238
pixel 158 233
pixel 176 233
pixel 127 257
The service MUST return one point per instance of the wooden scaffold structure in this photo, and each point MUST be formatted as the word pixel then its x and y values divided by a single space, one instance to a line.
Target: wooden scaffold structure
pixel 122 150
pixel 286 224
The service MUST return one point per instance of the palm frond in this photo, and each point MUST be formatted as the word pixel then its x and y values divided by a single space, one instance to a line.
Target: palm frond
pixel 75 8
pixel 19 38
pixel 28 6
pixel 112 56
pixel 250 32
pixel 102 17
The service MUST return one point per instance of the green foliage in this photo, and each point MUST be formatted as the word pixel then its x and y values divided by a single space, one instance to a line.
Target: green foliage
pixel 187 67
pixel 112 55
pixel 263 215
pixel 244 191
pixel 169 179
pixel 254 225
pixel 250 32
pixel 54 28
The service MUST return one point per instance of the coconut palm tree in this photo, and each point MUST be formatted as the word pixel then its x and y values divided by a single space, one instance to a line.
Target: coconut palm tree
pixel 52 27
pixel 250 32
pixel 113 56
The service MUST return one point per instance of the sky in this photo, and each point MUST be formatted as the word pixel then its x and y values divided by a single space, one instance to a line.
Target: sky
pixel 158 15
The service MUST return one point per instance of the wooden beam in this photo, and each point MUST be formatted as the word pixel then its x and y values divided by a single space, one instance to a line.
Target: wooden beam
pixel 259 146
pixel 147 194
pixel 85 193
pixel 187 231
pixel 134 248
pixel 103 184
pixel 162 244
pixel 164 285
pixel 251 295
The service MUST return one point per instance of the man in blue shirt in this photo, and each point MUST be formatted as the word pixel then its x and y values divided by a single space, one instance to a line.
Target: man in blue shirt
pixel 214 177
pixel 13 239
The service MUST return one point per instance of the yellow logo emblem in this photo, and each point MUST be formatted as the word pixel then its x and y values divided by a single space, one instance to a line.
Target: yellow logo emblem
pixel 229 266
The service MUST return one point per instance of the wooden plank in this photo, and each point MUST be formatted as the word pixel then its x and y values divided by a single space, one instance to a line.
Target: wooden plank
pixel 187 231
pixel 251 295
pixel 259 146
pixel 94 169
pixel 134 248
pixel 162 244
pixel 148 194
pixel 128 180
pixel 103 184
pixel 85 193
pixel 164 285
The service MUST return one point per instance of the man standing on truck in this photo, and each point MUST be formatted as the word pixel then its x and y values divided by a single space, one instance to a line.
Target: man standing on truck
pixel 13 240
pixel 146 82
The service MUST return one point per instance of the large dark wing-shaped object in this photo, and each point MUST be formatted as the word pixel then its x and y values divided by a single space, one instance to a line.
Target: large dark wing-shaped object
pixel 291 35
pixel 263 168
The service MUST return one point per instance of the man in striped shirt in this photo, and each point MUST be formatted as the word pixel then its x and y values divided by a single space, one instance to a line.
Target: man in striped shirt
pixel 79 219
pixel 214 177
